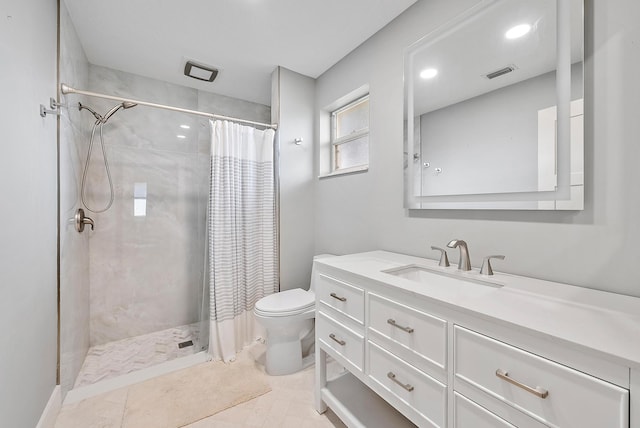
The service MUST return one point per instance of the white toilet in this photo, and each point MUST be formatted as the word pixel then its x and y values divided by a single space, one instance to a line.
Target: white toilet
pixel 288 317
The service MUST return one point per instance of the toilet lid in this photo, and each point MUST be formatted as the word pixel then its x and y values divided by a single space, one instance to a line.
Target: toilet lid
pixel 287 301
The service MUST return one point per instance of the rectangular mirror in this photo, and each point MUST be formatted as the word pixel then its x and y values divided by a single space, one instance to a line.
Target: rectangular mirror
pixel 493 109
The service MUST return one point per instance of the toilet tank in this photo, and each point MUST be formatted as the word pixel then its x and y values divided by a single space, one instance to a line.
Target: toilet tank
pixel 317 257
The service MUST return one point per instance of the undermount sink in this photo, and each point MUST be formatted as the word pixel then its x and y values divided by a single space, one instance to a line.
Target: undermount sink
pixel 424 274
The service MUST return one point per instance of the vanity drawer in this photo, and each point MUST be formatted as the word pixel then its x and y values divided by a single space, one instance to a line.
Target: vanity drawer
pixel 488 412
pixel 346 344
pixel 572 399
pixel 343 297
pixel 415 336
pixel 408 389
pixel 467 414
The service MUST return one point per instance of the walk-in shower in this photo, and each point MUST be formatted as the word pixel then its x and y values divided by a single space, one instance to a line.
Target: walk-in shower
pixel 146 274
pixel 145 265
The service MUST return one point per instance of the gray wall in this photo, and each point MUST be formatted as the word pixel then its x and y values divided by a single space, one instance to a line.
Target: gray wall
pixel 74 247
pixel 293 109
pixel 28 182
pixel 594 248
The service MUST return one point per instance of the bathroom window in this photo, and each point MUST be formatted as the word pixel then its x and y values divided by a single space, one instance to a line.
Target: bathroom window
pixel 350 136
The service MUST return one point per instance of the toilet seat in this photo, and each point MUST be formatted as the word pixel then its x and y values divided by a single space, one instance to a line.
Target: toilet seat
pixel 286 303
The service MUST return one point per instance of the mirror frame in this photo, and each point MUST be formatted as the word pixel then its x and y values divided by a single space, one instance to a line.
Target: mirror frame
pixel 564 196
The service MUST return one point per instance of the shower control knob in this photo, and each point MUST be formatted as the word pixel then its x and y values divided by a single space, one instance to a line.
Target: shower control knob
pixel 81 220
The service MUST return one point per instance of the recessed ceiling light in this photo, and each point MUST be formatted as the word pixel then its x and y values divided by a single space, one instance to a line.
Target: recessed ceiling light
pixel 518 31
pixel 182 137
pixel 185 126
pixel 428 73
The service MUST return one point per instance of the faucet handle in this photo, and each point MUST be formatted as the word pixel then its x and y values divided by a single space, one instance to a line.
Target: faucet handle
pixel 81 220
pixel 444 259
pixel 486 264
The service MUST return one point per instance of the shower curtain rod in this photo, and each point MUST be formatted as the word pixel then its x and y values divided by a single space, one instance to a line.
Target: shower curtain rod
pixel 66 89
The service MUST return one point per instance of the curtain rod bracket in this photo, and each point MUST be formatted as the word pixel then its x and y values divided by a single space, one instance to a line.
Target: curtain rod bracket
pixel 53 108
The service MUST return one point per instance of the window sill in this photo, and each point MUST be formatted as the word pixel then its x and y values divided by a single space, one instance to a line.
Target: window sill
pixel 346 171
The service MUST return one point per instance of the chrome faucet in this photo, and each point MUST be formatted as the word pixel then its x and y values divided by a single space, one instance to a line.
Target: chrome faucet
pixel 464 263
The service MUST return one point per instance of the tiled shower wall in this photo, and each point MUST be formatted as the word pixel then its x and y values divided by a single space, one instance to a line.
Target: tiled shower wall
pixel 74 247
pixel 146 268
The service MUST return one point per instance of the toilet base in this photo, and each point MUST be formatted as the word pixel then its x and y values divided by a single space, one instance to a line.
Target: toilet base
pixel 283 358
pixel 281 370
pixel 284 349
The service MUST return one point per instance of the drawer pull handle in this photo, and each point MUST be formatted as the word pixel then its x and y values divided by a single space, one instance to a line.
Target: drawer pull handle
pixel 537 391
pixel 335 296
pixel 340 342
pixel 406 386
pixel 393 323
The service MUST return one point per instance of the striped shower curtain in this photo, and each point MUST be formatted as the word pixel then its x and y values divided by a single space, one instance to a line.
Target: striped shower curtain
pixel 242 233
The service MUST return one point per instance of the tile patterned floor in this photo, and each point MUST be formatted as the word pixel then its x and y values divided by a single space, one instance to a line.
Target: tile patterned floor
pixel 128 355
pixel 289 404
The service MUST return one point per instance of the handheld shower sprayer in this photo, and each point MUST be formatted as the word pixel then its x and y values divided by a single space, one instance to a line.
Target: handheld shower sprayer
pixel 105 118
pixel 125 105
pixel 92 111
pixel 100 121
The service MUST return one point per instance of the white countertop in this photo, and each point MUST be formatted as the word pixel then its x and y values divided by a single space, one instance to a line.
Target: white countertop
pixel 604 322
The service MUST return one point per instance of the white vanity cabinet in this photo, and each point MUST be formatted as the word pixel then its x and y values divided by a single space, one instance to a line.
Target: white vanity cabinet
pixel 435 357
pixel 394 349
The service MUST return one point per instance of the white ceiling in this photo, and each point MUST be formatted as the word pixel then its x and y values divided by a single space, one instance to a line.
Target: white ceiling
pixel 245 39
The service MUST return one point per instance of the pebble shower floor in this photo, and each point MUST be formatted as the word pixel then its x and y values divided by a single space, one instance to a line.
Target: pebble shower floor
pixel 124 356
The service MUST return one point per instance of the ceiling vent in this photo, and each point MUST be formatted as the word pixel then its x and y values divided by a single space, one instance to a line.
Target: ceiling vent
pixel 501 72
pixel 202 72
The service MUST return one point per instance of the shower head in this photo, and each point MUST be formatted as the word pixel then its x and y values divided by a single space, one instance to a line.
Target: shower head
pixel 93 112
pixel 123 105
pixel 103 119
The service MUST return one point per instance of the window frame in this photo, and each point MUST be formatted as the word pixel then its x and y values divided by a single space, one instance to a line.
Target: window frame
pixel 335 142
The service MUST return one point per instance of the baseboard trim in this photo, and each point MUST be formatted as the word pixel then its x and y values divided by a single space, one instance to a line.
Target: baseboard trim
pixel 51 410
